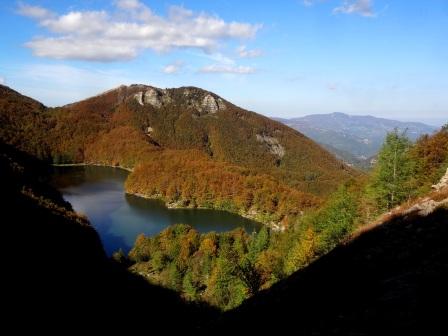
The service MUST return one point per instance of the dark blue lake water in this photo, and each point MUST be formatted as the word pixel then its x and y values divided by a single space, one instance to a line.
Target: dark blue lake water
pixel 119 218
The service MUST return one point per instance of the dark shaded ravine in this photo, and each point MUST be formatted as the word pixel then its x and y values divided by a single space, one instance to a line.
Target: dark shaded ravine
pixel 98 192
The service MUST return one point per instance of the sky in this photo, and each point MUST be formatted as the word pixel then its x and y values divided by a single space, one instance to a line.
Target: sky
pixel 289 58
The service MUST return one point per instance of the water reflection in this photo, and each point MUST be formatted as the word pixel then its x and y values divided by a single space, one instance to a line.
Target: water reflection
pixel 98 192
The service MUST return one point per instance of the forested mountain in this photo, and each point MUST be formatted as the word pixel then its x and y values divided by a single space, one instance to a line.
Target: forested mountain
pixel 385 277
pixel 353 138
pixel 204 151
pixel 355 259
pixel 227 268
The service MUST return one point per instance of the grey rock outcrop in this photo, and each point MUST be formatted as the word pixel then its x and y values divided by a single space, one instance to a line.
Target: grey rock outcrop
pixel 273 144
pixel 443 182
pixel 203 102
pixel 154 97
pixel 211 104
pixel 139 97
pixel 208 104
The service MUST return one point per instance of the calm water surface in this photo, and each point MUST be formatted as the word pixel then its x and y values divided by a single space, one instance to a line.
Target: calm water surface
pixel 119 218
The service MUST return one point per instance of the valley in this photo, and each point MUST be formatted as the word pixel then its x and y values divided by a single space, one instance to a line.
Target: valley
pixel 352 138
pixel 179 168
pixel 179 208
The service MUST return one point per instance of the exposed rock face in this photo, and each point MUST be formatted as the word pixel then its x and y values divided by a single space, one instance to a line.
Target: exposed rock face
pixel 211 104
pixel 153 97
pixel 273 144
pixel 204 104
pixel 139 97
pixel 443 182
pixel 425 207
pixel 208 104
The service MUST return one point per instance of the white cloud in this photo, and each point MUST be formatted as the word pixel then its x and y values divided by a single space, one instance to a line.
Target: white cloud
pixel 173 68
pixel 2 80
pixel 226 68
pixel 361 7
pixel 34 12
pixel 246 53
pixel 82 49
pixel 101 36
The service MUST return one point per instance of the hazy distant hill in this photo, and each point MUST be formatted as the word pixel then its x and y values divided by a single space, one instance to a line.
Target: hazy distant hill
pixel 353 138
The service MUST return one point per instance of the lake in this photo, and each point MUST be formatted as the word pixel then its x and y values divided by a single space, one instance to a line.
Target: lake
pixel 98 192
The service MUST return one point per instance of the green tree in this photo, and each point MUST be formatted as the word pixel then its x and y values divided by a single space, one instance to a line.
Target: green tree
pixel 158 261
pixel 301 253
pixel 390 180
pixel 174 277
pixel 189 288
pixel 225 289
pixel 258 243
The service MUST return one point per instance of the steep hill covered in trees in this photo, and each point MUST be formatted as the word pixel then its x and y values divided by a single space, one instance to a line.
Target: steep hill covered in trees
pixel 390 277
pixel 189 139
pixel 225 269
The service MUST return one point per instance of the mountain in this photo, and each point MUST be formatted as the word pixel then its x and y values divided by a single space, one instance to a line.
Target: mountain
pixel 354 139
pixel 388 278
pixel 188 146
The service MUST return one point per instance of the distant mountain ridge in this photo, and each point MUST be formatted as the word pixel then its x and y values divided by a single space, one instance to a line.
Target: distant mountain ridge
pixel 353 138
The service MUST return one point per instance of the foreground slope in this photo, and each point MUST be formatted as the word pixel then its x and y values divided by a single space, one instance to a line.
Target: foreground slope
pixel 388 279
pixel 56 271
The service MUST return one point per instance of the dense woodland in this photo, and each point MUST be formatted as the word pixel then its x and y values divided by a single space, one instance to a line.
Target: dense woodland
pixel 225 269
pixel 58 252
pixel 188 158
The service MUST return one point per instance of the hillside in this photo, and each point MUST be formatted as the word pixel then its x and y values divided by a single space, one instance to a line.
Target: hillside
pixel 389 278
pixel 282 171
pixel 57 273
pixel 354 138
pixel 386 277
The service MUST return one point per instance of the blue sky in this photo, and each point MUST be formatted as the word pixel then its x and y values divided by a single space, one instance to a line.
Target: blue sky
pixel 285 58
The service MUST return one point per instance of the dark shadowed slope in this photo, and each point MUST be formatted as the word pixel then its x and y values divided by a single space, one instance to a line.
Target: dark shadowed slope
pixel 55 271
pixel 390 280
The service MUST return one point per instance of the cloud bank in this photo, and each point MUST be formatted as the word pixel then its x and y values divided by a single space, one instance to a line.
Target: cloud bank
pixel 104 36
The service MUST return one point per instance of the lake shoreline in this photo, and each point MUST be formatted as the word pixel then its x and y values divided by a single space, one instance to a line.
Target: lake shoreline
pixel 172 205
pixel 99 194
pixel 86 164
